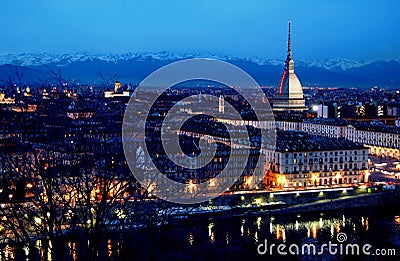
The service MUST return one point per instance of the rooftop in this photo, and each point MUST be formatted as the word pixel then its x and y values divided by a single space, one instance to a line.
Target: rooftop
pixel 12 145
pixel 301 141
pixel 332 122
pixel 375 126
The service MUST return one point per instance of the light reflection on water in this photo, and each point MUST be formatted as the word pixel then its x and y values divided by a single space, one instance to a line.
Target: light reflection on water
pixel 297 229
pixel 242 227
pixel 381 229
pixel 191 238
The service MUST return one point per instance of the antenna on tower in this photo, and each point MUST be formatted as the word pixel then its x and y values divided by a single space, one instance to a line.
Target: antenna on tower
pixel 289 55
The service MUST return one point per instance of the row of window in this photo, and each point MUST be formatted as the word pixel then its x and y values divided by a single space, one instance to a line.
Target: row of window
pixel 325 167
pixel 321 160
pixel 336 153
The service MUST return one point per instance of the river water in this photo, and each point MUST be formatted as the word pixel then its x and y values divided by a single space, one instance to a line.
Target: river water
pixel 237 238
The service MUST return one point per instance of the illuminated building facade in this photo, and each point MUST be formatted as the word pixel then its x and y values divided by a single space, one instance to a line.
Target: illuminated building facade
pixel 381 139
pixel 118 92
pixel 303 160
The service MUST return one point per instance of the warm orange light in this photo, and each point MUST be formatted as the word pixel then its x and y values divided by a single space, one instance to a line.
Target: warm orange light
pixel 281 180
pixel 249 180
pixel 314 230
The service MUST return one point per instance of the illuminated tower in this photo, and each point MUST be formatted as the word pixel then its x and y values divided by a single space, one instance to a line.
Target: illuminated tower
pixel 221 104
pixel 117 86
pixel 290 94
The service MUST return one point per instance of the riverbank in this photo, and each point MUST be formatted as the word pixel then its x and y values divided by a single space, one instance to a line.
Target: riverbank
pixel 348 202
pixel 345 202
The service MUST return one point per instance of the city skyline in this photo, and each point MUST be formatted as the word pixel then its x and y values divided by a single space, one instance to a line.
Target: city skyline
pixel 177 130
pixel 356 30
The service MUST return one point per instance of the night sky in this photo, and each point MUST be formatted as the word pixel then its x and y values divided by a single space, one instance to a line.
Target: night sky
pixel 362 30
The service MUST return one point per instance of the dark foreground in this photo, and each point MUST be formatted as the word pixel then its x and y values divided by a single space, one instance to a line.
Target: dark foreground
pixel 237 238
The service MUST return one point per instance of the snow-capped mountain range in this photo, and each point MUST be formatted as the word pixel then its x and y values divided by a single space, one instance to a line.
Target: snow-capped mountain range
pixel 37 59
pixel 135 66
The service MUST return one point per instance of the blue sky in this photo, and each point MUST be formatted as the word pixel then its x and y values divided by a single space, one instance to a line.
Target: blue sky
pixel 362 30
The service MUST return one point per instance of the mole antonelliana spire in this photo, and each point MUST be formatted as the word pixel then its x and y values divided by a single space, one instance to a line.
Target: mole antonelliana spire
pixel 290 94
pixel 289 48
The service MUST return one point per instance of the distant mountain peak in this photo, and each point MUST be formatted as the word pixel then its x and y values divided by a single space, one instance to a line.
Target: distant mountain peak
pixel 36 59
pixel 133 67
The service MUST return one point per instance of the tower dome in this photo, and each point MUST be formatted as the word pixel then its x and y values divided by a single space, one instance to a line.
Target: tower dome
pixel 290 92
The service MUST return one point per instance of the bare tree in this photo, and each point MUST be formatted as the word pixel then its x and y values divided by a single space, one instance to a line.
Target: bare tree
pixel 80 190
pixel 56 74
pixel 18 72
pixel 107 82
